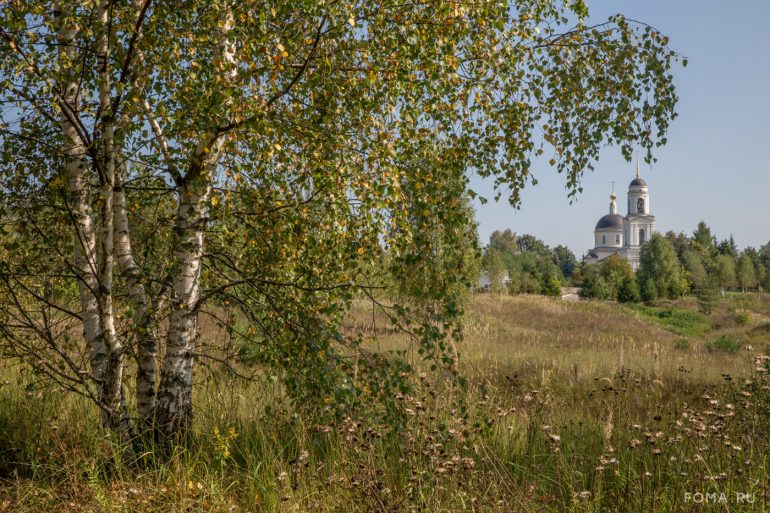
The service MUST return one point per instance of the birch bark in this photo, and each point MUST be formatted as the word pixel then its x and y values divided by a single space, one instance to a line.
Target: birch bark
pixel 174 407
pixel 77 168
pixel 112 385
pixel 143 317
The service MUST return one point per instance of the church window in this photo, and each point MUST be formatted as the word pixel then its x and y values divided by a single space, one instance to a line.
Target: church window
pixel 604 239
pixel 641 237
pixel 617 239
pixel 640 205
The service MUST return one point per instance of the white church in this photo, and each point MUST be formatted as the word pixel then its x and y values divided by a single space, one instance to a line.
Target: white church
pixel 624 236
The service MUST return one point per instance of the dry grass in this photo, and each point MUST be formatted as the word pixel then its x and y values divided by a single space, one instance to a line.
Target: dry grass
pixel 585 406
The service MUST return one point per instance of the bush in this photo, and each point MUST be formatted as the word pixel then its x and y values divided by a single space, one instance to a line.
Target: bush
pixel 724 343
pixel 743 319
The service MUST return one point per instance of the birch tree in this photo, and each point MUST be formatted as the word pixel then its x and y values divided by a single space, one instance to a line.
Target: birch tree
pixel 164 163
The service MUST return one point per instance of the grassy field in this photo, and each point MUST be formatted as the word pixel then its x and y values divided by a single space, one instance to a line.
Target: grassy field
pixel 587 406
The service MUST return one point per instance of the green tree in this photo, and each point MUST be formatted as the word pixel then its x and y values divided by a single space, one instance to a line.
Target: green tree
pixel 746 274
pixel 280 142
pixel 628 292
pixel 724 272
pixel 649 291
pixel 764 259
pixel 693 266
pixel 551 284
pixel 614 270
pixel 594 284
pixel 679 241
pixel 504 242
pixel 565 260
pixel 703 236
pixel 495 269
pixel 659 264
pixel 530 244
pixel 728 247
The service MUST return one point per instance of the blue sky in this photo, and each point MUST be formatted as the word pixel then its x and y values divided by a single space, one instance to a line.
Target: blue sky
pixel 716 165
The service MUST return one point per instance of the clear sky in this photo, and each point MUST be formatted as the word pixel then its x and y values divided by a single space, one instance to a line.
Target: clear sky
pixel 716 165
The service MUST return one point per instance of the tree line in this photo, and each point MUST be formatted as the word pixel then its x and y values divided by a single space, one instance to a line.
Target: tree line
pixel 517 264
pixel 671 266
pixel 674 265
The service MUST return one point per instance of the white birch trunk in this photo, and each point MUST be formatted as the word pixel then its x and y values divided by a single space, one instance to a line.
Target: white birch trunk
pixel 174 406
pixel 144 319
pixel 79 196
pixel 112 398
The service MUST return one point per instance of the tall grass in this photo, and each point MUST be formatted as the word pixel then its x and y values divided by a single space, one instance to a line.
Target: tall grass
pixel 569 407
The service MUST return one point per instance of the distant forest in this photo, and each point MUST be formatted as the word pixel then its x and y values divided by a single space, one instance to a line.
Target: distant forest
pixel 672 265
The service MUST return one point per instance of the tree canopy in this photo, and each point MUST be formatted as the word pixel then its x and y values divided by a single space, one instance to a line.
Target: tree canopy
pixel 253 163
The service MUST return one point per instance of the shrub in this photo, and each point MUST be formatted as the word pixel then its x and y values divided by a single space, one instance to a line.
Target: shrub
pixel 724 343
pixel 743 319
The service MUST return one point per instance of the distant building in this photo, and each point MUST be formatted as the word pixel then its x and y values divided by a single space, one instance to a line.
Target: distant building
pixel 485 281
pixel 624 236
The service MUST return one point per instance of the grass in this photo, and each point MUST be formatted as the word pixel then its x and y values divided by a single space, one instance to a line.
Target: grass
pixel 588 406
pixel 681 321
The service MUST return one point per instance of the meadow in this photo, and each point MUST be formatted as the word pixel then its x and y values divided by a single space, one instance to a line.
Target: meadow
pixel 584 406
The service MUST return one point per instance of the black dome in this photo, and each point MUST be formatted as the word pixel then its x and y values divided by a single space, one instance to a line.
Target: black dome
pixel 639 182
pixel 610 221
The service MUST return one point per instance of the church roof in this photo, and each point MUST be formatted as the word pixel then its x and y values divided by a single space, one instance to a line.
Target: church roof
pixel 638 182
pixel 610 221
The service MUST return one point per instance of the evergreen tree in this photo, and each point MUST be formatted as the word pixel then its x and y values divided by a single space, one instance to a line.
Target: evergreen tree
pixel 703 236
pixel 728 247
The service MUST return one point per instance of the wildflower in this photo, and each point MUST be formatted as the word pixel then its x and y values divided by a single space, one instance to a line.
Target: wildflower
pixel 585 495
pixel 634 443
